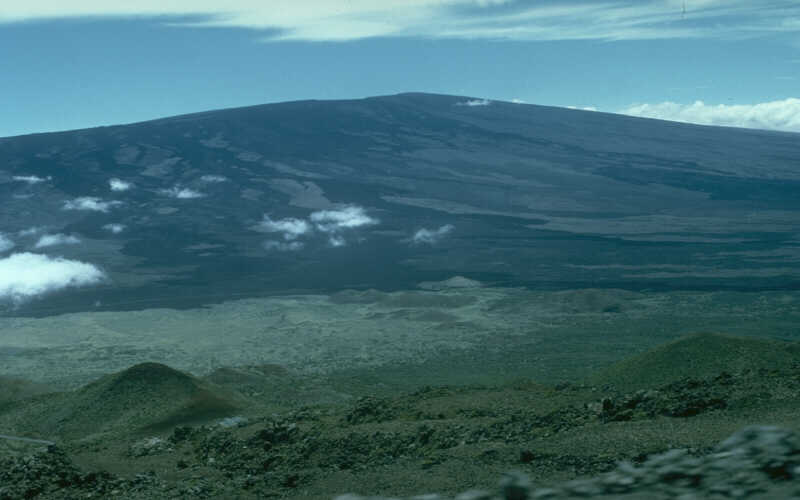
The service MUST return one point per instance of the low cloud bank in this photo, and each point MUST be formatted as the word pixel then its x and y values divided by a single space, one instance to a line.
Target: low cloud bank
pixel 474 102
pixel 90 203
pixel 27 275
pixel 431 236
pixel 31 179
pixel 181 193
pixel 332 223
pixel 114 228
pixel 213 178
pixel 119 185
pixel 775 115
pixel 5 243
pixel 49 240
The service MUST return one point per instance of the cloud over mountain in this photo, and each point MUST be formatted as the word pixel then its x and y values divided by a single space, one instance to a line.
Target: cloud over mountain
pixel 431 236
pixel 30 179
pixel 90 203
pixel 283 246
pixel 213 178
pixel 119 185
pixel 181 193
pixel 291 228
pixel 27 275
pixel 114 228
pixel 774 115
pixel 331 221
pixel 5 243
pixel 49 240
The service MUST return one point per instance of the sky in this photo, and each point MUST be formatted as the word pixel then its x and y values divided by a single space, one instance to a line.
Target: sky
pixel 87 63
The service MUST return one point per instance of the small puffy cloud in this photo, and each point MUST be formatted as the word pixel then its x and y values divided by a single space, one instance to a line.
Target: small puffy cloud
pixel 119 185
pixel 5 243
pixel 31 179
pixel 49 240
pixel 336 241
pixel 181 193
pixel 431 236
pixel 114 228
pixel 331 221
pixel 90 203
pixel 27 275
pixel 775 115
pixel 474 102
pixel 584 108
pixel 283 246
pixel 291 228
pixel 213 178
pixel 518 101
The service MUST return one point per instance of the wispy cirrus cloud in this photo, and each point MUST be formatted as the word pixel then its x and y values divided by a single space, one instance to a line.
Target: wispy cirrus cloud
pixel 775 115
pixel 334 20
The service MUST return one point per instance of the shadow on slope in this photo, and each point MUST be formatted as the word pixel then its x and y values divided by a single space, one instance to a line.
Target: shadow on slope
pixel 147 397
pixel 14 390
pixel 697 356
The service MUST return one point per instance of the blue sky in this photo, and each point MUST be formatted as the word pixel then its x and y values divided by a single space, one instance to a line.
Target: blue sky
pixel 86 63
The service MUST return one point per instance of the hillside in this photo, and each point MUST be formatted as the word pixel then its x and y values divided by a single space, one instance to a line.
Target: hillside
pixel 391 191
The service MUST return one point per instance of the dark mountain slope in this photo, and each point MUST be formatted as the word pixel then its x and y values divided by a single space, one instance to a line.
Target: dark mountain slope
pixel 510 194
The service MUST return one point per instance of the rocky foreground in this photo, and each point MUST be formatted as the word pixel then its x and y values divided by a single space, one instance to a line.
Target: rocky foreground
pixel 152 432
pixel 756 462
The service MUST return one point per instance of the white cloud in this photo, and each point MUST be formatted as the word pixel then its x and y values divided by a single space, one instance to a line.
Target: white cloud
pixel 337 241
pixel 585 108
pixel 213 178
pixel 31 179
pixel 775 115
pixel 431 236
pixel 49 240
pixel 291 228
pixel 518 101
pixel 331 221
pixel 335 20
pixel 114 228
pixel 283 246
pixel 119 185
pixel 90 203
pixel 26 275
pixel 475 102
pixel 5 243
pixel 181 193
pixel 30 231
